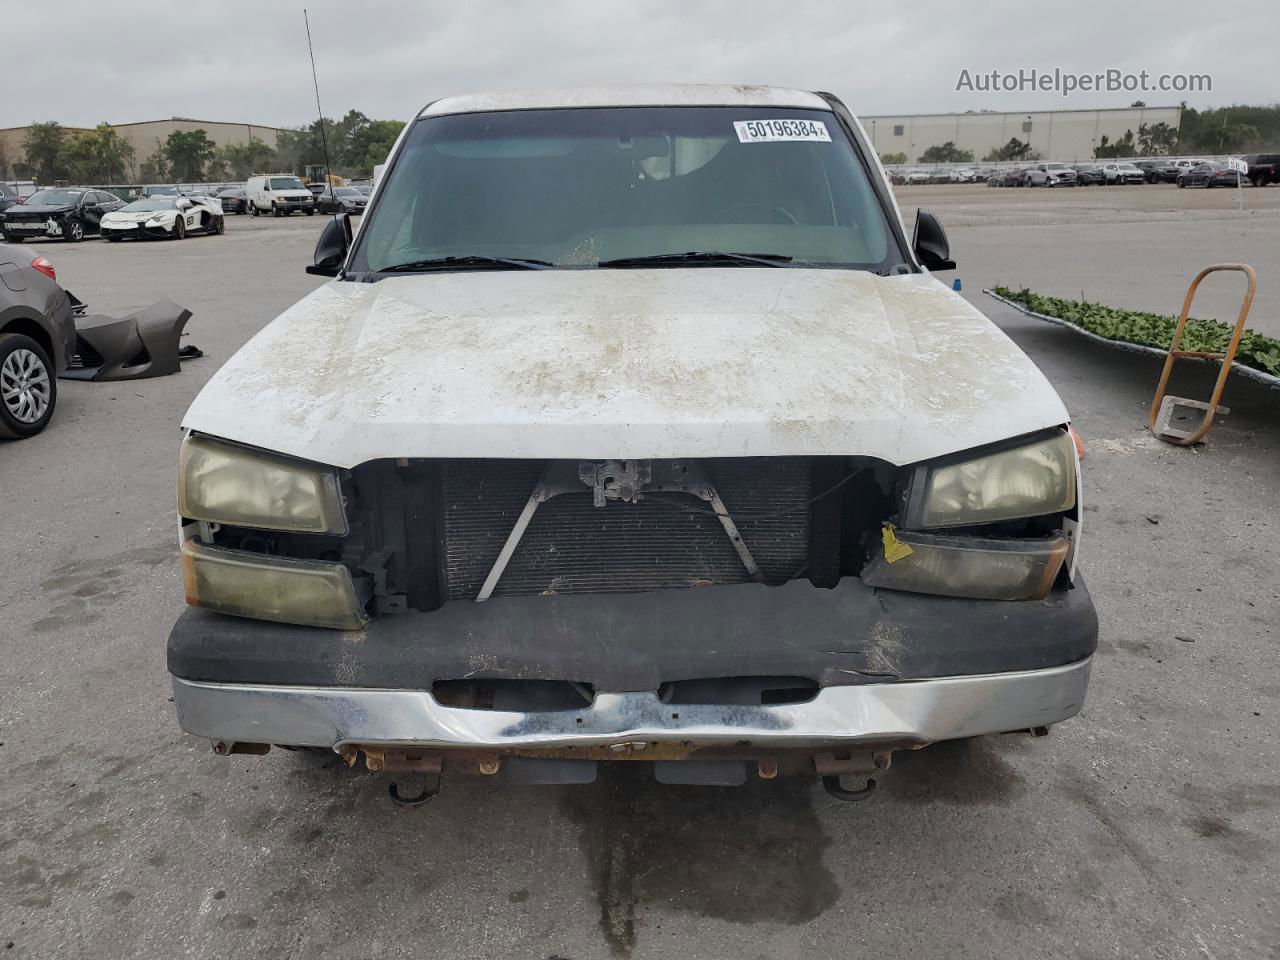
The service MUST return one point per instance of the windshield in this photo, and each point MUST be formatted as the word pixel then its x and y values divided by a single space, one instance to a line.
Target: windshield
pixel 347 192
pixel 577 187
pixel 286 183
pixel 55 198
pixel 155 203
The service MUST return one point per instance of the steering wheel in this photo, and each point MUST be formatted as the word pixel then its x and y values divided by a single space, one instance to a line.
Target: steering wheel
pixel 758 206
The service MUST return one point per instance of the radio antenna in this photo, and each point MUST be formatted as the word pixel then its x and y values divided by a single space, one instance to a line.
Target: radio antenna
pixel 324 143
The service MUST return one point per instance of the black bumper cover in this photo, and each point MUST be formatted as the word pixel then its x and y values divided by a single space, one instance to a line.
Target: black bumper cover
pixel 626 642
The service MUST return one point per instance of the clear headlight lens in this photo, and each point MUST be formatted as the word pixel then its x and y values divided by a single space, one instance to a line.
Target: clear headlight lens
pixel 1026 481
pixel 223 483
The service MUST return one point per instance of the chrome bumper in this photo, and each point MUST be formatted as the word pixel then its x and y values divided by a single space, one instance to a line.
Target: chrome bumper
pixel 919 711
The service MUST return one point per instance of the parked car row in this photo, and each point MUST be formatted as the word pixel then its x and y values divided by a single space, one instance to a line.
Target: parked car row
pixel 283 194
pixel 165 210
pixel 71 214
pixel 941 175
pixel 1263 169
pixel 1105 173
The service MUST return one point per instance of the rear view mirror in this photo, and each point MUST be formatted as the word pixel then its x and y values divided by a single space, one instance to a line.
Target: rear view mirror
pixel 332 247
pixel 930 243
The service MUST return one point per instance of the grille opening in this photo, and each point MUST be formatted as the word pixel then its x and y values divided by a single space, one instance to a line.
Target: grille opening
pixel 743 691
pixel 524 695
pixel 666 541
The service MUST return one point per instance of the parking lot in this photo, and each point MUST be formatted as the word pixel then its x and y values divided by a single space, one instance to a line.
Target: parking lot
pixel 1149 826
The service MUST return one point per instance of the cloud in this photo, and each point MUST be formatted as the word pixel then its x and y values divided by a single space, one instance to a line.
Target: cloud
pixel 244 60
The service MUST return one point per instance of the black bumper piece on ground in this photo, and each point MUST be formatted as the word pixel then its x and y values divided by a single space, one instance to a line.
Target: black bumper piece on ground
pixel 851 634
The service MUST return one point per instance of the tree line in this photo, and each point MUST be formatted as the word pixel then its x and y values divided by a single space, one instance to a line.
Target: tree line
pixel 1220 131
pixel 51 153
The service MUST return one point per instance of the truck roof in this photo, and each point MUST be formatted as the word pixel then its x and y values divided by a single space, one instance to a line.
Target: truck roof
pixel 632 95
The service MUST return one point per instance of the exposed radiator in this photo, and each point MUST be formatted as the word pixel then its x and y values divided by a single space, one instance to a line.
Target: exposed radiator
pixel 572 546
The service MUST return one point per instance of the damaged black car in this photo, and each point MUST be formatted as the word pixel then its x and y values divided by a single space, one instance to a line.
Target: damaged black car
pixel 64 213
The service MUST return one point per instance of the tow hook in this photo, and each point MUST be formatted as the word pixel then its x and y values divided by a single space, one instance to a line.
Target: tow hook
pixel 430 790
pixel 833 786
pixel 385 760
pixel 831 766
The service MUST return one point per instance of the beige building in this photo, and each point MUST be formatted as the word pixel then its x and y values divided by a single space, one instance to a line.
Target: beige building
pixel 145 136
pixel 1054 134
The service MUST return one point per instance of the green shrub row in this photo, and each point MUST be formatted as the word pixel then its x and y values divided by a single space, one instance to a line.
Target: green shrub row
pixel 1152 329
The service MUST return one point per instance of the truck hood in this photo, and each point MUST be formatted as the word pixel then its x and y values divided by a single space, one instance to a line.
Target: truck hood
pixel 661 363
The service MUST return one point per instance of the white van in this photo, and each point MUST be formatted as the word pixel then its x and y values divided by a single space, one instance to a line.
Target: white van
pixel 279 193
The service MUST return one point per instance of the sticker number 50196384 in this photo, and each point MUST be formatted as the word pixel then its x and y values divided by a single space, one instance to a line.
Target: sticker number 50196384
pixel 771 131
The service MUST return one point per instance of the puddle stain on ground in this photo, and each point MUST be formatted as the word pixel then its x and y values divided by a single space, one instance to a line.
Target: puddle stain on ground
pixel 957 772
pixel 1221 810
pixel 79 589
pixel 751 854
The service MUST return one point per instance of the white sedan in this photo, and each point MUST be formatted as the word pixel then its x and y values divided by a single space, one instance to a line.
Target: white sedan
pixel 164 217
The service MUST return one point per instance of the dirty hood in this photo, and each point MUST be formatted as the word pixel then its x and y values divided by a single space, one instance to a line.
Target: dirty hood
pixel 694 362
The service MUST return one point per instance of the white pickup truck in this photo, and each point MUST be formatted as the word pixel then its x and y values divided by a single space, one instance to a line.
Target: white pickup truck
pixel 631 426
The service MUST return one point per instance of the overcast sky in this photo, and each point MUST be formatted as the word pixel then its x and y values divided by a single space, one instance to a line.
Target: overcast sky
pixel 246 60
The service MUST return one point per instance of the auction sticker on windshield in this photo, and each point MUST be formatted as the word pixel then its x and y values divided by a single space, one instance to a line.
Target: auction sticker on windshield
pixel 772 131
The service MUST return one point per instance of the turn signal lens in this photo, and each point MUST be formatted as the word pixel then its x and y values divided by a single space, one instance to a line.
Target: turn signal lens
pixel 308 592
pixel 971 567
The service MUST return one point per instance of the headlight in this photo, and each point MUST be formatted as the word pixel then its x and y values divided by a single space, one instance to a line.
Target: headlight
pixel 1026 481
pixel 223 483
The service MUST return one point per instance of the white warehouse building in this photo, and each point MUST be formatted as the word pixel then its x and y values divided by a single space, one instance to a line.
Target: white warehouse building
pixel 1054 134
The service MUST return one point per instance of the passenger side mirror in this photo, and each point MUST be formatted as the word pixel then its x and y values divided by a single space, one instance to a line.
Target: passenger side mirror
pixel 332 247
pixel 930 243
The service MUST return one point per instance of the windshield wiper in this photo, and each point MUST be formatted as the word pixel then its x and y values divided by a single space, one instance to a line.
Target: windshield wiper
pixel 700 256
pixel 476 260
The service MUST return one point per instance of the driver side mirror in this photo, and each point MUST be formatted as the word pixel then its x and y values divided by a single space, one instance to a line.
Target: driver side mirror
pixel 930 243
pixel 332 247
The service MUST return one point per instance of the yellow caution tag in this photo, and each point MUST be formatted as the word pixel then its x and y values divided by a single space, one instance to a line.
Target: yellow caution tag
pixel 894 549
